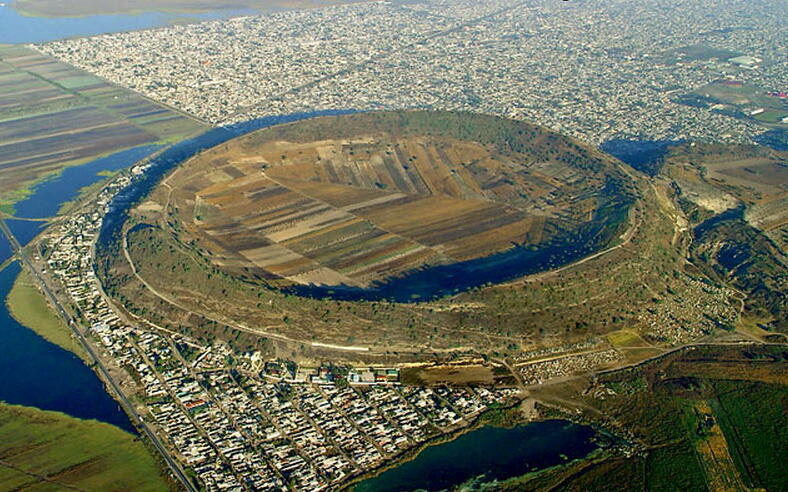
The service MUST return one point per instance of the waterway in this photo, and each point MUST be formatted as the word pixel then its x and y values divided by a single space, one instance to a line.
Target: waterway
pixel 47 197
pixel 16 28
pixel 25 230
pixel 487 455
pixel 37 373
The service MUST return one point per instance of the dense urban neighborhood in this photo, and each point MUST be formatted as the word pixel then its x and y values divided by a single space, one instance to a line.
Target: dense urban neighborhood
pixel 569 66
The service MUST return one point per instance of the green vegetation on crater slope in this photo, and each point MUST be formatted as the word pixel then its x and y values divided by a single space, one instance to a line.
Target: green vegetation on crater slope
pixel 735 199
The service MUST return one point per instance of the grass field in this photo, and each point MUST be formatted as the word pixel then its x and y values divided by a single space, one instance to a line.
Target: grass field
pixel 50 451
pixel 752 416
pixel 674 467
pixel 625 338
pixel 29 306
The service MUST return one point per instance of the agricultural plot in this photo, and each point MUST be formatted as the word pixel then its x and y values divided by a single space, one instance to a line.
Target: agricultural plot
pixel 52 451
pixel 375 204
pixel 53 115
pixel 710 418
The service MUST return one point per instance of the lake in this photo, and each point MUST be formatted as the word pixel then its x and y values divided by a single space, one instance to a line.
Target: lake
pixel 16 28
pixel 486 455
pixel 37 373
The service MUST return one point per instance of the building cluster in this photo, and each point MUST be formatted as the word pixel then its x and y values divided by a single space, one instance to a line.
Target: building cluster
pixel 697 311
pixel 555 350
pixel 598 70
pixel 540 371
pixel 250 426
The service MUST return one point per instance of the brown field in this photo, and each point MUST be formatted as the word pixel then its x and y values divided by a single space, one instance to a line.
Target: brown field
pixel 456 375
pixel 53 115
pixel 715 456
pixel 372 204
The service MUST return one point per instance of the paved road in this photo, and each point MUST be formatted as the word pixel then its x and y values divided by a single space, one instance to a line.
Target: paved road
pixel 120 396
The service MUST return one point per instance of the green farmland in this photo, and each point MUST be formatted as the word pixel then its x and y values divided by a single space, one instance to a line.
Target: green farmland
pixel 712 418
pixel 50 451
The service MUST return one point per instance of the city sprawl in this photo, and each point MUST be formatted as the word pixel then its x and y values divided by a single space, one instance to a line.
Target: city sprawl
pixel 224 416
pixel 595 70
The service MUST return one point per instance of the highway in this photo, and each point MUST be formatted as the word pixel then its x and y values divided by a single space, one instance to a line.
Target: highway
pixel 120 396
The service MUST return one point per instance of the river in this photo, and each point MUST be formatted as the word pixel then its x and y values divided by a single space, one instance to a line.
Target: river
pixel 25 230
pixel 16 28
pixel 486 455
pixel 37 373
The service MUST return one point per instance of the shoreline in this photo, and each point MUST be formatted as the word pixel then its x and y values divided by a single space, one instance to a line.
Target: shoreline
pixel 514 418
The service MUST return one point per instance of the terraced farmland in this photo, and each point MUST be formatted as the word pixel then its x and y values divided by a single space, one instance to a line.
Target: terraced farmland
pixel 53 115
pixel 357 199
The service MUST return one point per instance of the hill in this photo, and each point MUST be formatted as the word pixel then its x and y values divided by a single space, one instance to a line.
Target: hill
pixel 190 256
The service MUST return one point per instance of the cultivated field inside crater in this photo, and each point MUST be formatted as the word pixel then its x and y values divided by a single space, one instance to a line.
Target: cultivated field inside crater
pixel 179 261
pixel 357 199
